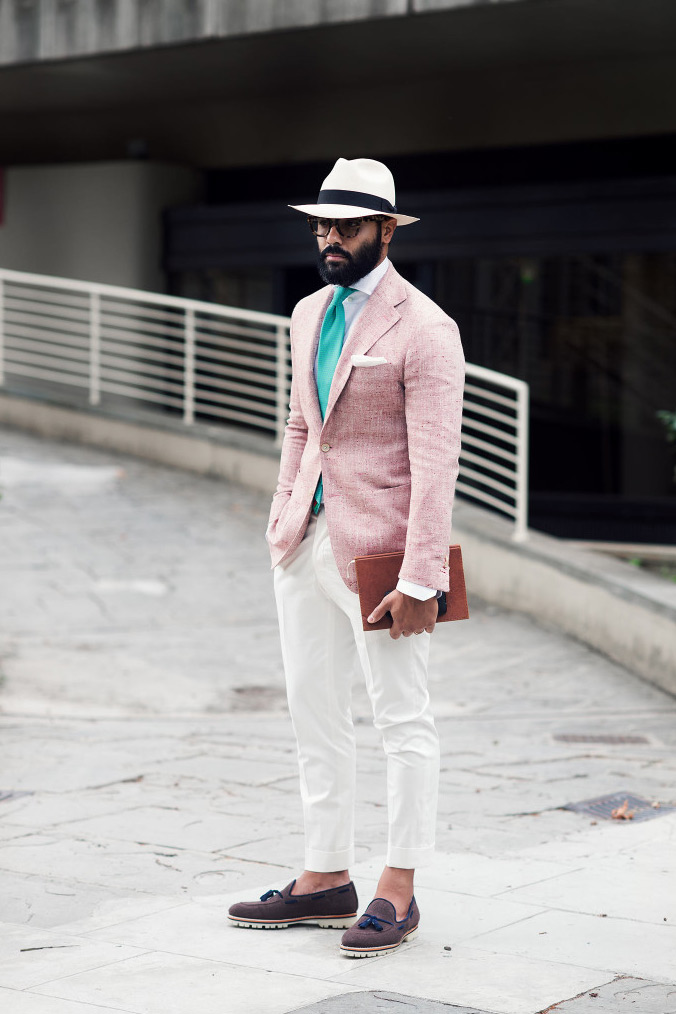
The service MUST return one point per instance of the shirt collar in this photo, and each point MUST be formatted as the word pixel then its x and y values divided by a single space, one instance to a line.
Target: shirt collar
pixel 368 283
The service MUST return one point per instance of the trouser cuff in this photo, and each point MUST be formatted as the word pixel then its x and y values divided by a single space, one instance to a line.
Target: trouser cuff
pixel 409 859
pixel 329 862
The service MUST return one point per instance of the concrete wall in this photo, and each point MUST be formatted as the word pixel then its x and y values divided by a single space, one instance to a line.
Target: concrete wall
pixel 444 74
pixel 528 105
pixel 625 613
pixel 100 222
pixel 52 29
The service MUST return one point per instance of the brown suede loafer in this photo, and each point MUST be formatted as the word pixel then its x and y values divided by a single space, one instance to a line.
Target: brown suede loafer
pixel 331 909
pixel 379 931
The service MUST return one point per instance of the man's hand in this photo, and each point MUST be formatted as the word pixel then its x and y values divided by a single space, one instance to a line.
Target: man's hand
pixel 410 616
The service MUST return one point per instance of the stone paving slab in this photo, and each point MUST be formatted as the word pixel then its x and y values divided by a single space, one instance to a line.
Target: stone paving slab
pixel 383 1003
pixel 622 996
pixel 142 712
pixel 471 975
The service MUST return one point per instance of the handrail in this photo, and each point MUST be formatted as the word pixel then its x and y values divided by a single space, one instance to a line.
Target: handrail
pixel 91 344
pixel 154 298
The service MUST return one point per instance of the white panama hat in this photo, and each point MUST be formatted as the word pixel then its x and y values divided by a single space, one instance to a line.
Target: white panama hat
pixel 356 187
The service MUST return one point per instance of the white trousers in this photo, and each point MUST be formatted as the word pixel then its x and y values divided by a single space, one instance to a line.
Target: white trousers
pixel 323 645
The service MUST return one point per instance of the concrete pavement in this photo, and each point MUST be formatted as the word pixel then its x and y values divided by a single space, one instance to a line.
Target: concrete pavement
pixel 149 780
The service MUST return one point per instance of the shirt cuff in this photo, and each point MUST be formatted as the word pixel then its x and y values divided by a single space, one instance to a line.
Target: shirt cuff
pixel 416 591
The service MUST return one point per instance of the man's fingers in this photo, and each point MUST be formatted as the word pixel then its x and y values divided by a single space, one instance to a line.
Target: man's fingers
pixel 406 615
pixel 396 630
pixel 380 610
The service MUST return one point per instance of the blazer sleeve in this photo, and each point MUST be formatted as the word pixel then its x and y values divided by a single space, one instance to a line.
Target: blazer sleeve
pixel 293 445
pixel 434 377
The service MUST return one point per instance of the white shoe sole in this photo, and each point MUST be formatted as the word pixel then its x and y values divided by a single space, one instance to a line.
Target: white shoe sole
pixel 342 922
pixel 374 952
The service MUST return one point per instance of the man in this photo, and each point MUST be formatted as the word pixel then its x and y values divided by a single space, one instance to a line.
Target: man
pixel 369 463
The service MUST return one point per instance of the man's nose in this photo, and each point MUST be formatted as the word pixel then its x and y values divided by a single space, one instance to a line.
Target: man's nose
pixel 333 236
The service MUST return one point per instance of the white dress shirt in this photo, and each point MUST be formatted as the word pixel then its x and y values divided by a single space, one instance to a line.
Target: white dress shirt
pixel 353 306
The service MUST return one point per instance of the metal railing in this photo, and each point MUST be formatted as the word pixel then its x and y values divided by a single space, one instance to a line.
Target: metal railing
pixel 494 455
pixel 197 360
pixel 91 344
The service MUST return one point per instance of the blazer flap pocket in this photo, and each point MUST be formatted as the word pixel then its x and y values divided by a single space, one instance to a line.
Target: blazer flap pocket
pixel 368 361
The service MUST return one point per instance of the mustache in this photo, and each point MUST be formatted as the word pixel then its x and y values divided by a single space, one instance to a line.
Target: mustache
pixel 335 250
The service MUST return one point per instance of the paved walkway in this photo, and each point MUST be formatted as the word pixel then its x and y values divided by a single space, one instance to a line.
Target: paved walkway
pixel 149 777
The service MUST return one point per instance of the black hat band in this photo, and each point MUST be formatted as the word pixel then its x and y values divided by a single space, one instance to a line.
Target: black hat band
pixel 357 199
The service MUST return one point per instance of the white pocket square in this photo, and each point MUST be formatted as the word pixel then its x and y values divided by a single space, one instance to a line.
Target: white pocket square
pixel 368 361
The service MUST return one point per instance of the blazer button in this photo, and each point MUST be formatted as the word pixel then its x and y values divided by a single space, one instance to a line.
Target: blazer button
pixel 326 447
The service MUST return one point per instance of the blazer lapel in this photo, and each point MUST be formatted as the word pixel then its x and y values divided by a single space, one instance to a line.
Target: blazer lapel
pixel 378 316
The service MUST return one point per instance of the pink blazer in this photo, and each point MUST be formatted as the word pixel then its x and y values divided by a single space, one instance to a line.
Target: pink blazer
pixel 388 447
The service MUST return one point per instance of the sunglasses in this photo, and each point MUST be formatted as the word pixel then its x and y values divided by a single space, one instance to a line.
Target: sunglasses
pixel 348 228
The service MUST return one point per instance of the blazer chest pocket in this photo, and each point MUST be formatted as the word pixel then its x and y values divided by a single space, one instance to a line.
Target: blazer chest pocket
pixel 377 388
pixel 366 361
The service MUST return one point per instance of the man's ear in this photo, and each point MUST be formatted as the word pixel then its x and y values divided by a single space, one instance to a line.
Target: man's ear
pixel 387 229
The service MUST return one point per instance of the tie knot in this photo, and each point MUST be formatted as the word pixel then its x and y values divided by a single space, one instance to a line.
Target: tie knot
pixel 340 295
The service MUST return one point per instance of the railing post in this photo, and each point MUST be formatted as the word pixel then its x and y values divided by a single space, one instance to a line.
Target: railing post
pixel 94 348
pixel 2 330
pixel 210 21
pixel 189 367
pixel 281 392
pixel 521 520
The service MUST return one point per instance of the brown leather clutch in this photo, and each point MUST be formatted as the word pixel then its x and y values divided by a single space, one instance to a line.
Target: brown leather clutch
pixel 378 575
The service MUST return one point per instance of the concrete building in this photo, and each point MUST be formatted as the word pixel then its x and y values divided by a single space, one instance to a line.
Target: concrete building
pixel 156 143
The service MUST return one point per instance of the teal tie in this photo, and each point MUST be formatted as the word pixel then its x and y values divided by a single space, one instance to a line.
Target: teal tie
pixel 331 338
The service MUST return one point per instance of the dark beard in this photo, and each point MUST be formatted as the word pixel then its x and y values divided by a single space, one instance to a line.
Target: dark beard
pixel 356 265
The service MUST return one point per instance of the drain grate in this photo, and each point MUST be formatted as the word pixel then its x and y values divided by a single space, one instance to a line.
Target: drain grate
pixel 603 806
pixel 8 794
pixel 573 737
